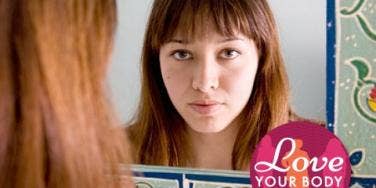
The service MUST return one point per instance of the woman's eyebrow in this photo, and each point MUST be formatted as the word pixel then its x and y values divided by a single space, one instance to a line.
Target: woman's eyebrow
pixel 230 39
pixel 181 41
pixel 177 41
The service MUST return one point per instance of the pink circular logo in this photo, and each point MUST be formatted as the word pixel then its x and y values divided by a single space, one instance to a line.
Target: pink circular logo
pixel 300 154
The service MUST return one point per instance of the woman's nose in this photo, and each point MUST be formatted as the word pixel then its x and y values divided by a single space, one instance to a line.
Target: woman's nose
pixel 206 75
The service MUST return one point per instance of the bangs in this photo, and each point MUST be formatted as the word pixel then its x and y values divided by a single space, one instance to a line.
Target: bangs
pixel 191 18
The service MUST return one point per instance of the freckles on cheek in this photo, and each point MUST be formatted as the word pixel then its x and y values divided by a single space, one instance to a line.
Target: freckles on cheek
pixel 170 81
pixel 166 78
pixel 168 74
pixel 176 78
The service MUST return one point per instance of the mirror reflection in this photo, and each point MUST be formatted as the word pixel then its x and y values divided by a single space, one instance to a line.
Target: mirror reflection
pixel 213 76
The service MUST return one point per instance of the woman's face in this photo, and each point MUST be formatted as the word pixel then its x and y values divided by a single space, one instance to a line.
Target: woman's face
pixel 209 78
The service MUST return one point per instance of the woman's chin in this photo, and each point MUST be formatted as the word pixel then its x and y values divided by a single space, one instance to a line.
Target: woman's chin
pixel 208 127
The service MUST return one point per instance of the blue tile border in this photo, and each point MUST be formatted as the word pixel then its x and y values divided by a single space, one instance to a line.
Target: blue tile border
pixel 330 63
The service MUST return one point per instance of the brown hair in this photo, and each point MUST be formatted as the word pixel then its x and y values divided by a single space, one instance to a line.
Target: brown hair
pixel 56 125
pixel 158 133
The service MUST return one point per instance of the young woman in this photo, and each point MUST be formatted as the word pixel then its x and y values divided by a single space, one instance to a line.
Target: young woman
pixel 56 125
pixel 213 83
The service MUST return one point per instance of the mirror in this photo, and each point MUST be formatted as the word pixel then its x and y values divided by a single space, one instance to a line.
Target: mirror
pixel 302 33
pixel 302 30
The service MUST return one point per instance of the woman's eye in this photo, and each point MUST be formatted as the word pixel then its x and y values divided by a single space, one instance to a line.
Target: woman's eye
pixel 229 54
pixel 181 55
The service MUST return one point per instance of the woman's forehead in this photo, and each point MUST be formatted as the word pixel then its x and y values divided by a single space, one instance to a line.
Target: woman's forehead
pixel 190 24
pixel 209 37
pixel 202 30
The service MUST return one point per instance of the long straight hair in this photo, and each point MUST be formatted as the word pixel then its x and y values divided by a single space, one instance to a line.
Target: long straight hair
pixel 57 128
pixel 158 132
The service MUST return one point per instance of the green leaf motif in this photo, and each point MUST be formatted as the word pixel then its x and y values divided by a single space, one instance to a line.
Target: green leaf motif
pixel 367 29
pixel 354 10
pixel 361 67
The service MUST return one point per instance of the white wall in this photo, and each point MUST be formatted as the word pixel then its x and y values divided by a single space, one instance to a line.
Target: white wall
pixel 302 25
pixel 302 30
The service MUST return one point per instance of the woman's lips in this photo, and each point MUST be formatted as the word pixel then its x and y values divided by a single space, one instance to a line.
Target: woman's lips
pixel 206 107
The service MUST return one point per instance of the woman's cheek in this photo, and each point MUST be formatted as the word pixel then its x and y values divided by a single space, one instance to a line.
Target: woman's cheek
pixel 239 86
pixel 176 82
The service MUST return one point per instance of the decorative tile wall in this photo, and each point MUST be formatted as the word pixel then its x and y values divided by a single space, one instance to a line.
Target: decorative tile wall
pixel 351 83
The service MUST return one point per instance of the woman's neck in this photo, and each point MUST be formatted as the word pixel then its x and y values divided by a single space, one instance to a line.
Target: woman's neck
pixel 213 150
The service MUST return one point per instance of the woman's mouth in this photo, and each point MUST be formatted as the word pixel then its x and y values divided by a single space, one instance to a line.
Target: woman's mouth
pixel 206 107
